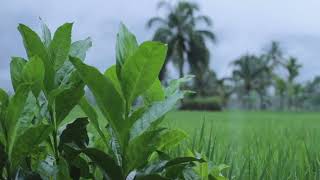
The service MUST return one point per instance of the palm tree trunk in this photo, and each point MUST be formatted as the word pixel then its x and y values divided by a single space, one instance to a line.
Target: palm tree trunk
pixel 261 101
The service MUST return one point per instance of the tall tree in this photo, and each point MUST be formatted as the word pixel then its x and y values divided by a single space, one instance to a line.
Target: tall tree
pixel 274 55
pixel 280 87
pixel 186 42
pixel 251 73
pixel 292 68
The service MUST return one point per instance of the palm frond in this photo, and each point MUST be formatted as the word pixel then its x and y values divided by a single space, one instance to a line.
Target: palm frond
pixel 205 19
pixel 208 34
pixel 156 20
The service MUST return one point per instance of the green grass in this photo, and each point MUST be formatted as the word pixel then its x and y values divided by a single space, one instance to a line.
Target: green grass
pixel 257 145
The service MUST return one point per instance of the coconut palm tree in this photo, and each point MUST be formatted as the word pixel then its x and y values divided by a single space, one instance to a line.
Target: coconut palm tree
pixel 252 74
pixel 281 87
pixel 186 42
pixel 292 68
pixel 274 55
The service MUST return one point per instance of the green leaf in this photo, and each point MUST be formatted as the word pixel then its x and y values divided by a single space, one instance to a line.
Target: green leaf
pixel 79 168
pixel 60 45
pixel 217 170
pixel 63 170
pixel 27 141
pixel 107 97
pixel 28 115
pixel 151 176
pixel 154 93
pixel 75 133
pixel 174 85
pixel 111 74
pixel 93 117
pixel 4 100
pixel 126 46
pixel 154 114
pixel 67 97
pixel 149 142
pixel 140 148
pixel 46 34
pixel 79 48
pixel 160 166
pixel 141 69
pixel 3 158
pixel 35 47
pixel 14 111
pixel 171 138
pixel 16 67
pixel 33 73
pixel 106 164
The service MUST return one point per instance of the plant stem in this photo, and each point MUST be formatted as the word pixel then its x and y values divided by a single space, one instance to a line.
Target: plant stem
pixel 54 135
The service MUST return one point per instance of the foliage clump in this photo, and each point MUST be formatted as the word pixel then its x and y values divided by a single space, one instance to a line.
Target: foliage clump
pixel 39 141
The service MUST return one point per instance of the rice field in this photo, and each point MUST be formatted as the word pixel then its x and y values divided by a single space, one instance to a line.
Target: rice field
pixel 256 145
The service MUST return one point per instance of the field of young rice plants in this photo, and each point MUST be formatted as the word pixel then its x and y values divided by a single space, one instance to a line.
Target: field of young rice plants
pixel 255 145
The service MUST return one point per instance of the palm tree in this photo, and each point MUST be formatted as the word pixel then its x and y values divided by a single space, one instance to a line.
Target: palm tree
pixel 179 29
pixel 274 55
pixel 292 67
pixel 252 74
pixel 281 87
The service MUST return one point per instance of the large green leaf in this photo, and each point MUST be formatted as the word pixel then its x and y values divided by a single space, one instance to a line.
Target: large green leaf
pixel 107 97
pixel 28 116
pixel 151 176
pixel 4 99
pixel 125 47
pixel 162 165
pixel 65 98
pixel 79 167
pixel 111 74
pixel 3 158
pixel 27 141
pixel 175 85
pixel 63 170
pixel 75 133
pixel 60 45
pixel 79 48
pixel 33 73
pixel 141 69
pixel 35 47
pixel 143 146
pixel 16 66
pixel 154 114
pixel 93 117
pixel 106 164
pixel 15 108
pixel 154 93
pixel 46 34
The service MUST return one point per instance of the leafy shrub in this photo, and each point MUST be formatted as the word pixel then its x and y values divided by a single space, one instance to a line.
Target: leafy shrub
pixel 37 143
pixel 202 103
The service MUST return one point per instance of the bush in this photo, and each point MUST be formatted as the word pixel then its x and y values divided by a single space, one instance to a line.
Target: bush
pixel 202 103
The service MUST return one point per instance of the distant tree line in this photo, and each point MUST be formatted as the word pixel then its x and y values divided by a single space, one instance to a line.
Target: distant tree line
pixel 264 81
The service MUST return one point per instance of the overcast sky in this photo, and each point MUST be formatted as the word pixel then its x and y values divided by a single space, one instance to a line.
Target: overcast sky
pixel 241 26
